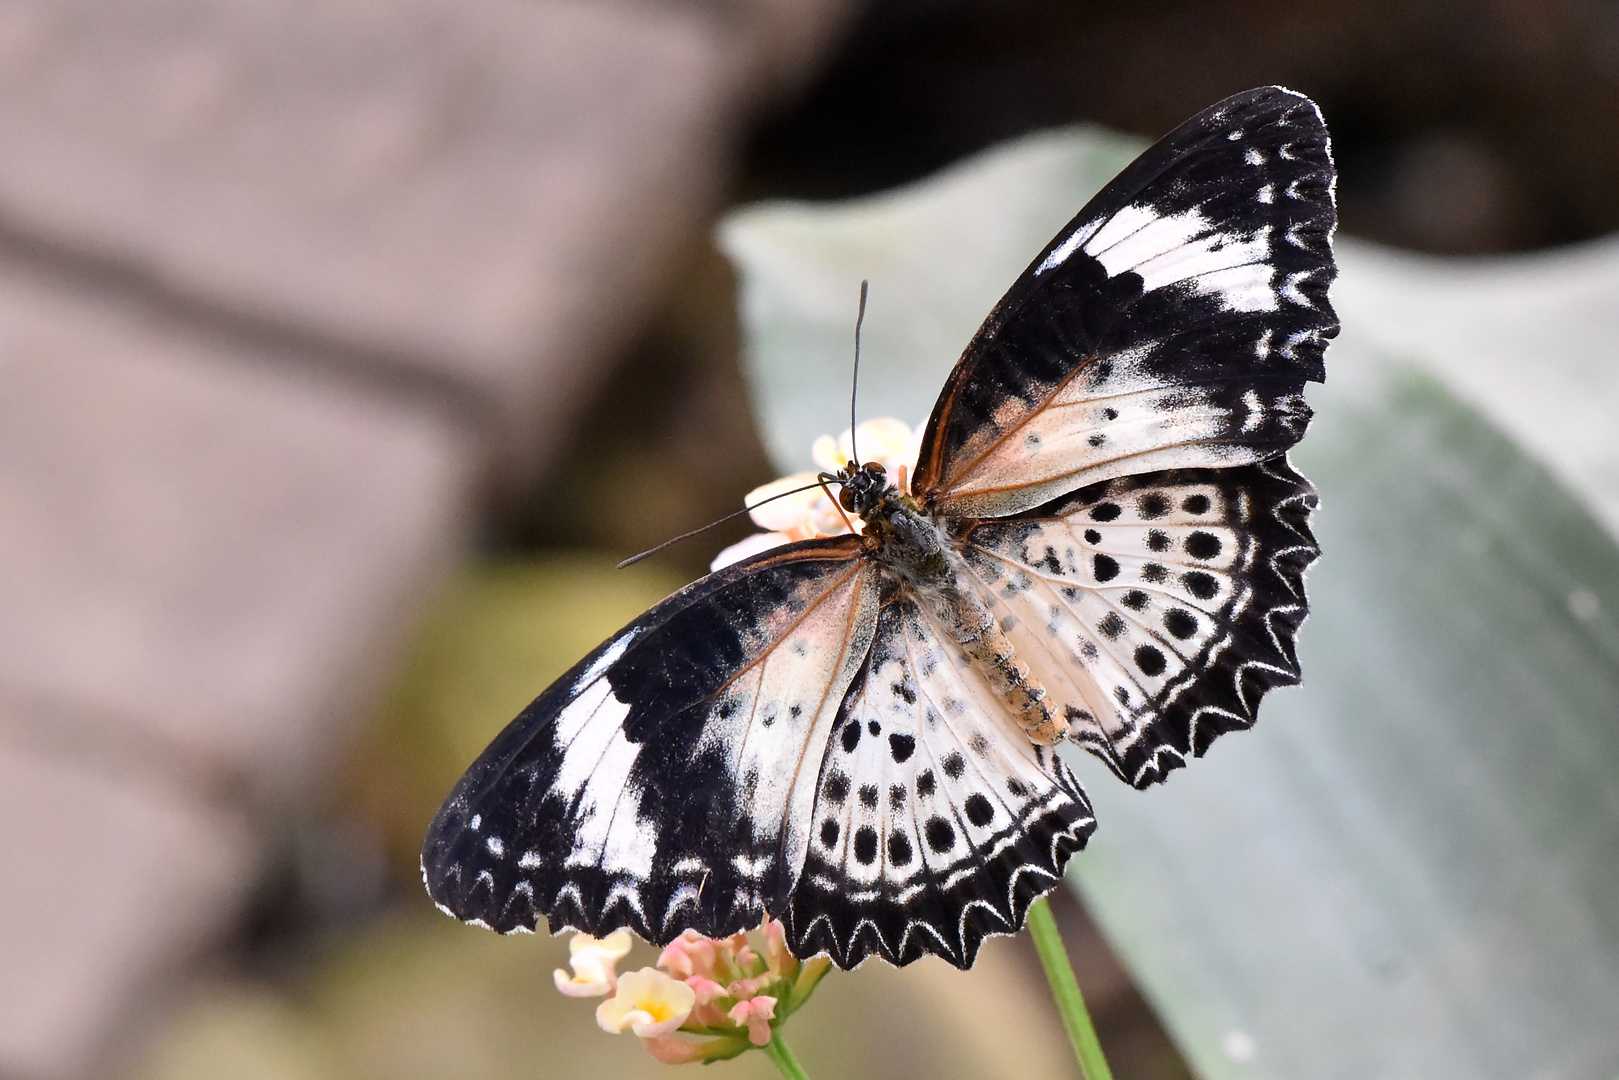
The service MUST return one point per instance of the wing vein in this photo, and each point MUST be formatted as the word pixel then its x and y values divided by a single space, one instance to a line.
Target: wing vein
pixel 1024 421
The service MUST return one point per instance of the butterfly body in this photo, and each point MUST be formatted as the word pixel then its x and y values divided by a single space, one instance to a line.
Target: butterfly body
pixel 1102 537
pixel 912 547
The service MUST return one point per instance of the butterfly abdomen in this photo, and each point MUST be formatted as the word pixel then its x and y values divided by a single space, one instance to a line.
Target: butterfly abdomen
pixel 915 550
pixel 1007 673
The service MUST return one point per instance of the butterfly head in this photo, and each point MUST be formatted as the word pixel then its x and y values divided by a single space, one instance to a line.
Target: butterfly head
pixel 862 488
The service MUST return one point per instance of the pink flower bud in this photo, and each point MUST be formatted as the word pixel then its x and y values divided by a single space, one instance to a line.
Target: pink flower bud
pixel 755 1014
pixel 777 958
pixel 689 954
pixel 707 989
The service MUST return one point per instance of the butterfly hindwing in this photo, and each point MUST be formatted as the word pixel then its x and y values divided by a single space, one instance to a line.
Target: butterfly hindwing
pixel 660 784
pixel 1156 610
pixel 1173 323
pixel 936 821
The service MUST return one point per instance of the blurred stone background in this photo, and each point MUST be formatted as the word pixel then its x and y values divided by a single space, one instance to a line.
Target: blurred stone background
pixel 343 347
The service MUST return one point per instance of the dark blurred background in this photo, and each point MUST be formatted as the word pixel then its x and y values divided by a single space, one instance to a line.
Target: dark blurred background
pixel 1459 128
pixel 358 344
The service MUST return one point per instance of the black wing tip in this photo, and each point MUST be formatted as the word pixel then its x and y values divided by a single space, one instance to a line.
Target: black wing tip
pixel 1266 103
pixel 1284 98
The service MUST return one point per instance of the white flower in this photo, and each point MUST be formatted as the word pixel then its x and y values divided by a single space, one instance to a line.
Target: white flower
pixel 649 1003
pixel 886 440
pixel 802 515
pixel 593 960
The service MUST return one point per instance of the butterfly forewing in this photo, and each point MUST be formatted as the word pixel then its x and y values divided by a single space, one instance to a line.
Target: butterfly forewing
pixel 936 821
pixel 1156 610
pixel 660 785
pixel 1172 324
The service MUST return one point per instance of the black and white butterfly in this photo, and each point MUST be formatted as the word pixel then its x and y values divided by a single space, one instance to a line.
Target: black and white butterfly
pixel 1103 539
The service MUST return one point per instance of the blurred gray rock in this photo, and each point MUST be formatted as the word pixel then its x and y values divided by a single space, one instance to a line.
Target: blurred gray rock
pixel 206 547
pixel 110 877
pixel 482 194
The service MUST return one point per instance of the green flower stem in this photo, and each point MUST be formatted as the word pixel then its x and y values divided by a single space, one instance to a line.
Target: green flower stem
pixel 777 1051
pixel 1065 992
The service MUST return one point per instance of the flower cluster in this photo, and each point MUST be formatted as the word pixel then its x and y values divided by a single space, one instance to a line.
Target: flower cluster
pixel 810 513
pixel 708 998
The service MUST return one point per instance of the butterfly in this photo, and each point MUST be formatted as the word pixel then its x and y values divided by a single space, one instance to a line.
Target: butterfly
pixel 1103 542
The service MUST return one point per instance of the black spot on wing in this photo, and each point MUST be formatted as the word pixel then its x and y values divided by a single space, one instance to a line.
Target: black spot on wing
pixel 1180 623
pixel 1153 504
pixel 1201 585
pixel 1150 660
pixel 979 810
pixel 1105 512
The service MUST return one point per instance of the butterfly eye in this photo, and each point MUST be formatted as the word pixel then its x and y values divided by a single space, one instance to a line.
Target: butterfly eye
pixel 846 498
pixel 875 469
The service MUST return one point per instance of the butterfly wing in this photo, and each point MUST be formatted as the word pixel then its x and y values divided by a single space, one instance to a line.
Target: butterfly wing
pixel 1172 324
pixel 659 784
pixel 1158 609
pixel 936 821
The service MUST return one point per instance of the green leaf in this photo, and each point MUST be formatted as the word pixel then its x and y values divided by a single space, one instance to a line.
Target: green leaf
pixel 1411 866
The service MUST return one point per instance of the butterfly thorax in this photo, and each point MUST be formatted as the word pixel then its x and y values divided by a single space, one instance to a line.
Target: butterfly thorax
pixel 909 543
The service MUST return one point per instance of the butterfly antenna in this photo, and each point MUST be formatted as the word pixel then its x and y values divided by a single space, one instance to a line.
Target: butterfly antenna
pixel 632 560
pixel 854 451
